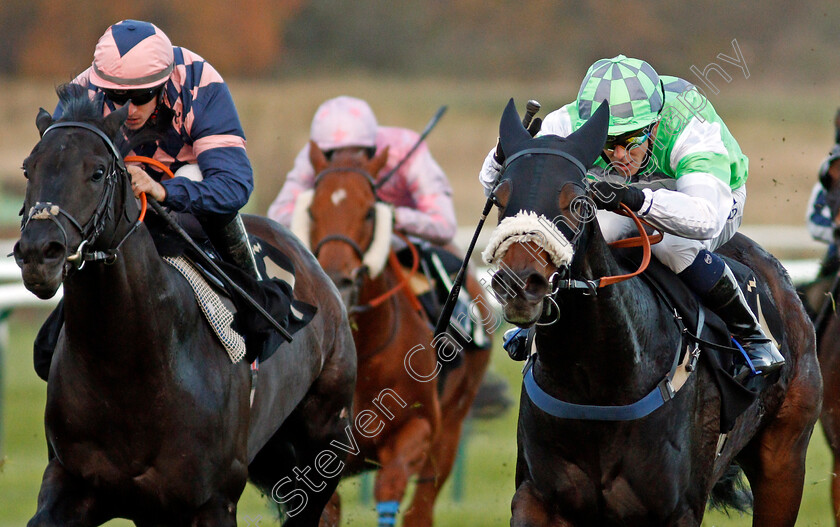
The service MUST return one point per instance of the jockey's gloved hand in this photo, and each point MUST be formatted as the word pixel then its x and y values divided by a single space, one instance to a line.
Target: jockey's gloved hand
pixel 609 195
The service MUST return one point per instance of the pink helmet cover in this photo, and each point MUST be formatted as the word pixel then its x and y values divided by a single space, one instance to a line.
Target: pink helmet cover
pixel 344 121
pixel 132 55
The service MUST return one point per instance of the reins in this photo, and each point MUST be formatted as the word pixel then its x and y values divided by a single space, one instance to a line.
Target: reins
pixel 401 277
pixel 643 240
pixel 591 286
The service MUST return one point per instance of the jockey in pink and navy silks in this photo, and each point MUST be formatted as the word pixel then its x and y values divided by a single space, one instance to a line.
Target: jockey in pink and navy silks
pixel 419 190
pixel 177 94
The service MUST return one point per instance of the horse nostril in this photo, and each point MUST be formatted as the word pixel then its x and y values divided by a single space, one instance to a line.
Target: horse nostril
pixel 54 251
pixel 536 285
pixel 18 254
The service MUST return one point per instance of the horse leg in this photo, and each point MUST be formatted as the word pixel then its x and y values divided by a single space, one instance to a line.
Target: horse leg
pixel 331 517
pixel 774 461
pixel 218 512
pixel 402 457
pixel 456 405
pixel 528 509
pixel 65 500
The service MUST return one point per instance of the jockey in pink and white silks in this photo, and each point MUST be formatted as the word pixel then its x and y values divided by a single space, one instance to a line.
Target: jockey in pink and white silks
pixel 671 159
pixel 419 190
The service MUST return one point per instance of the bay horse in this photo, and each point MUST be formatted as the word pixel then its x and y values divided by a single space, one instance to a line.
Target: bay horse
pixel 406 427
pixel 605 456
pixel 146 417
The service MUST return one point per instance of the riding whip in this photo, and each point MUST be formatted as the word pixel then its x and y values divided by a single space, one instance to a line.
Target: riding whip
pixel 212 265
pixel 432 123
pixel 532 107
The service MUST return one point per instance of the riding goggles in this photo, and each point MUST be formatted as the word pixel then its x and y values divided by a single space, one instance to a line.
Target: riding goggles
pixel 137 97
pixel 629 140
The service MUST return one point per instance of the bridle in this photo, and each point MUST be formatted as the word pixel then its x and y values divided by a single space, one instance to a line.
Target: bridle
pixel 358 274
pixel 562 279
pixel 95 225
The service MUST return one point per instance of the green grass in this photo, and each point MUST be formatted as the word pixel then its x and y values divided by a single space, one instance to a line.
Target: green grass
pixel 488 471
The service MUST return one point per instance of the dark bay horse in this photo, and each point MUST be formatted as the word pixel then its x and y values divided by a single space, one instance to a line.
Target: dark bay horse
pixel 404 425
pixel 146 417
pixel 612 347
pixel 827 325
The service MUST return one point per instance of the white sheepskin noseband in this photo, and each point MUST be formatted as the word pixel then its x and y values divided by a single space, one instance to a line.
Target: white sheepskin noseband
pixel 528 227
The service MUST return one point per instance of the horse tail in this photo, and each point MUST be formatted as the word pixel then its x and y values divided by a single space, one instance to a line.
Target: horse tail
pixel 731 492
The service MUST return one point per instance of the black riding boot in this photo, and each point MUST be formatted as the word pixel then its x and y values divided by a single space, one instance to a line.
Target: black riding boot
pixel 229 238
pixel 727 301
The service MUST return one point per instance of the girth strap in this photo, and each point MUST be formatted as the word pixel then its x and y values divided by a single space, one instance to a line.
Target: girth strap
pixel 664 391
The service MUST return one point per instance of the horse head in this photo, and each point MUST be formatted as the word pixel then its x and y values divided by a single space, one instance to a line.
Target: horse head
pixel 347 228
pixel 546 219
pixel 75 177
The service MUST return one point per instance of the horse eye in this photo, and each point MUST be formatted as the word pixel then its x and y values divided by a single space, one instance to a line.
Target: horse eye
pixel 371 214
pixel 25 172
pixel 98 174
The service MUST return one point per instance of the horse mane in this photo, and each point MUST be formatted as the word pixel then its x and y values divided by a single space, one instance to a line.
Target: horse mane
pixel 78 106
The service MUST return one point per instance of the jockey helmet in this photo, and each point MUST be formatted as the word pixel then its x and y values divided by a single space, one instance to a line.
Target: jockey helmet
pixel 132 55
pixel 342 122
pixel 630 86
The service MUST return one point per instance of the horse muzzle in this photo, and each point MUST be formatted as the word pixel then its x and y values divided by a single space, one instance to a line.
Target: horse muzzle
pixel 521 294
pixel 42 263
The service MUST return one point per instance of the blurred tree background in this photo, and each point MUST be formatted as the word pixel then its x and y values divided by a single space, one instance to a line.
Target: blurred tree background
pixel 474 38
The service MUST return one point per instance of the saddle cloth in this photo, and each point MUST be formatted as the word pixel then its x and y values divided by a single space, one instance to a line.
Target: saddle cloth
pixel 219 312
pixel 239 327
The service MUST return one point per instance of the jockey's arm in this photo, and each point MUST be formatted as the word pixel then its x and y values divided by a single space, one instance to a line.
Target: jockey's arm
pixel 697 209
pixel 218 143
pixel 298 179
pixel 433 215
pixel 818 216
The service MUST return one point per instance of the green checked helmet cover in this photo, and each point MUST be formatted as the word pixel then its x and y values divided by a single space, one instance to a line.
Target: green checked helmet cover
pixel 630 86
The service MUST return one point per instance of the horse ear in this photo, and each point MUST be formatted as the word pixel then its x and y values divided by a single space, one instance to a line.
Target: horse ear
pixel 378 161
pixel 43 121
pixel 317 157
pixel 590 138
pixel 114 121
pixel 511 131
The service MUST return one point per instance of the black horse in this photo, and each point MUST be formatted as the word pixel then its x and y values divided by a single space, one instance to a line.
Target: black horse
pixel 146 417
pixel 614 348
pixel 827 324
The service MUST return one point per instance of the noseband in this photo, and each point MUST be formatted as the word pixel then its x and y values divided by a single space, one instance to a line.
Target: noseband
pixel 94 227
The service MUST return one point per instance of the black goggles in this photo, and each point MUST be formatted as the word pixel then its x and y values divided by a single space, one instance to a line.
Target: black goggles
pixel 137 97
pixel 629 140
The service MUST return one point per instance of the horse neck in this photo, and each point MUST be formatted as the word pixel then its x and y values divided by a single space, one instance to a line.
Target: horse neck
pixel 611 340
pixel 381 325
pixel 111 308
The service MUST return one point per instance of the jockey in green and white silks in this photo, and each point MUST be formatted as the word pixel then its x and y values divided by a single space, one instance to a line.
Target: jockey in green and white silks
pixel 673 161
